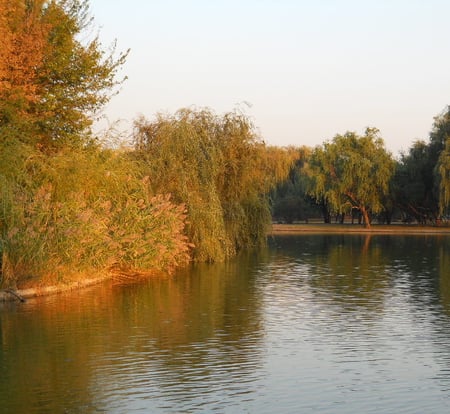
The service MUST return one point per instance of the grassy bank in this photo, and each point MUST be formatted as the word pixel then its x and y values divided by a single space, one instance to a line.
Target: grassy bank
pixel 357 229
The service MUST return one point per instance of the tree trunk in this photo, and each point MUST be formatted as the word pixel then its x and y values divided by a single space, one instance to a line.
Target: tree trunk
pixel 326 213
pixel 366 217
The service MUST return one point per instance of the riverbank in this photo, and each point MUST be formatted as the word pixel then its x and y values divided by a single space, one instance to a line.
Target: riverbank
pixel 303 228
pixel 7 295
pixel 34 291
pixel 276 229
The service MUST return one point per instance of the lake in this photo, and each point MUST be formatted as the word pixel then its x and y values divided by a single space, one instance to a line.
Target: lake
pixel 309 324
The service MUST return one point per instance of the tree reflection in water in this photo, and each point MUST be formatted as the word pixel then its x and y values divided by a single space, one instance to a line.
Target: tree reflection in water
pixel 162 337
pixel 297 324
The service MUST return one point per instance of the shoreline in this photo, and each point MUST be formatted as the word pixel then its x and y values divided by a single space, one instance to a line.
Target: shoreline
pixel 21 295
pixel 322 228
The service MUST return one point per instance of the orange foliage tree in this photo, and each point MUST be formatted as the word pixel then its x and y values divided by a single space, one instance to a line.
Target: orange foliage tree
pixel 22 42
pixel 52 84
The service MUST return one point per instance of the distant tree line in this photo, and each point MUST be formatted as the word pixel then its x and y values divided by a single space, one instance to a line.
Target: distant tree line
pixel 354 176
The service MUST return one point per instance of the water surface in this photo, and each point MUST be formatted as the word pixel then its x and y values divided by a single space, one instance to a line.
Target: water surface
pixel 320 324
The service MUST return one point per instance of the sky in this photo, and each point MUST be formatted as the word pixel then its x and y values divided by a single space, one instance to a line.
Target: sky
pixel 302 70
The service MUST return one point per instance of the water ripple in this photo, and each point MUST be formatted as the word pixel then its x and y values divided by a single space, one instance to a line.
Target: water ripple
pixel 313 324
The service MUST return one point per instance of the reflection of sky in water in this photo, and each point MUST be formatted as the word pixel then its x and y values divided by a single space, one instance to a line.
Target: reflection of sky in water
pixel 362 340
pixel 330 324
pixel 186 377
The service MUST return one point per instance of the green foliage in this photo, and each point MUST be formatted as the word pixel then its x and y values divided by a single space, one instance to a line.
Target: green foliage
pixel 420 185
pixel 352 172
pixel 290 198
pixel 182 160
pixel 440 159
pixel 437 160
pixel 219 169
pixel 444 171
pixel 412 183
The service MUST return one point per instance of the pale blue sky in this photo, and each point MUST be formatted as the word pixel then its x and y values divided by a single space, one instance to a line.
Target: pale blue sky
pixel 309 69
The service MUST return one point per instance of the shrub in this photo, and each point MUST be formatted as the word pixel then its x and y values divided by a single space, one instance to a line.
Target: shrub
pixel 84 211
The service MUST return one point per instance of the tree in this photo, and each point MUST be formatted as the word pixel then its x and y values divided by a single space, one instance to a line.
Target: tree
pixel 51 83
pixel 421 180
pixel 444 171
pixel 22 39
pixel 220 169
pixel 352 172
pixel 440 156
pixel 290 198
pixel 439 137
pixel 413 183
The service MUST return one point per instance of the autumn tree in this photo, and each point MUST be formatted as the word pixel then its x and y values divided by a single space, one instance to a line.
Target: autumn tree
pixel 22 41
pixel 352 172
pixel 53 80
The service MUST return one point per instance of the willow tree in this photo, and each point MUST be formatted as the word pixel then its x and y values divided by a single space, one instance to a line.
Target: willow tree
pixel 444 171
pixel 352 172
pixel 181 159
pixel 248 170
pixel 290 199
pixel 439 149
pixel 219 168
pixel 52 83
